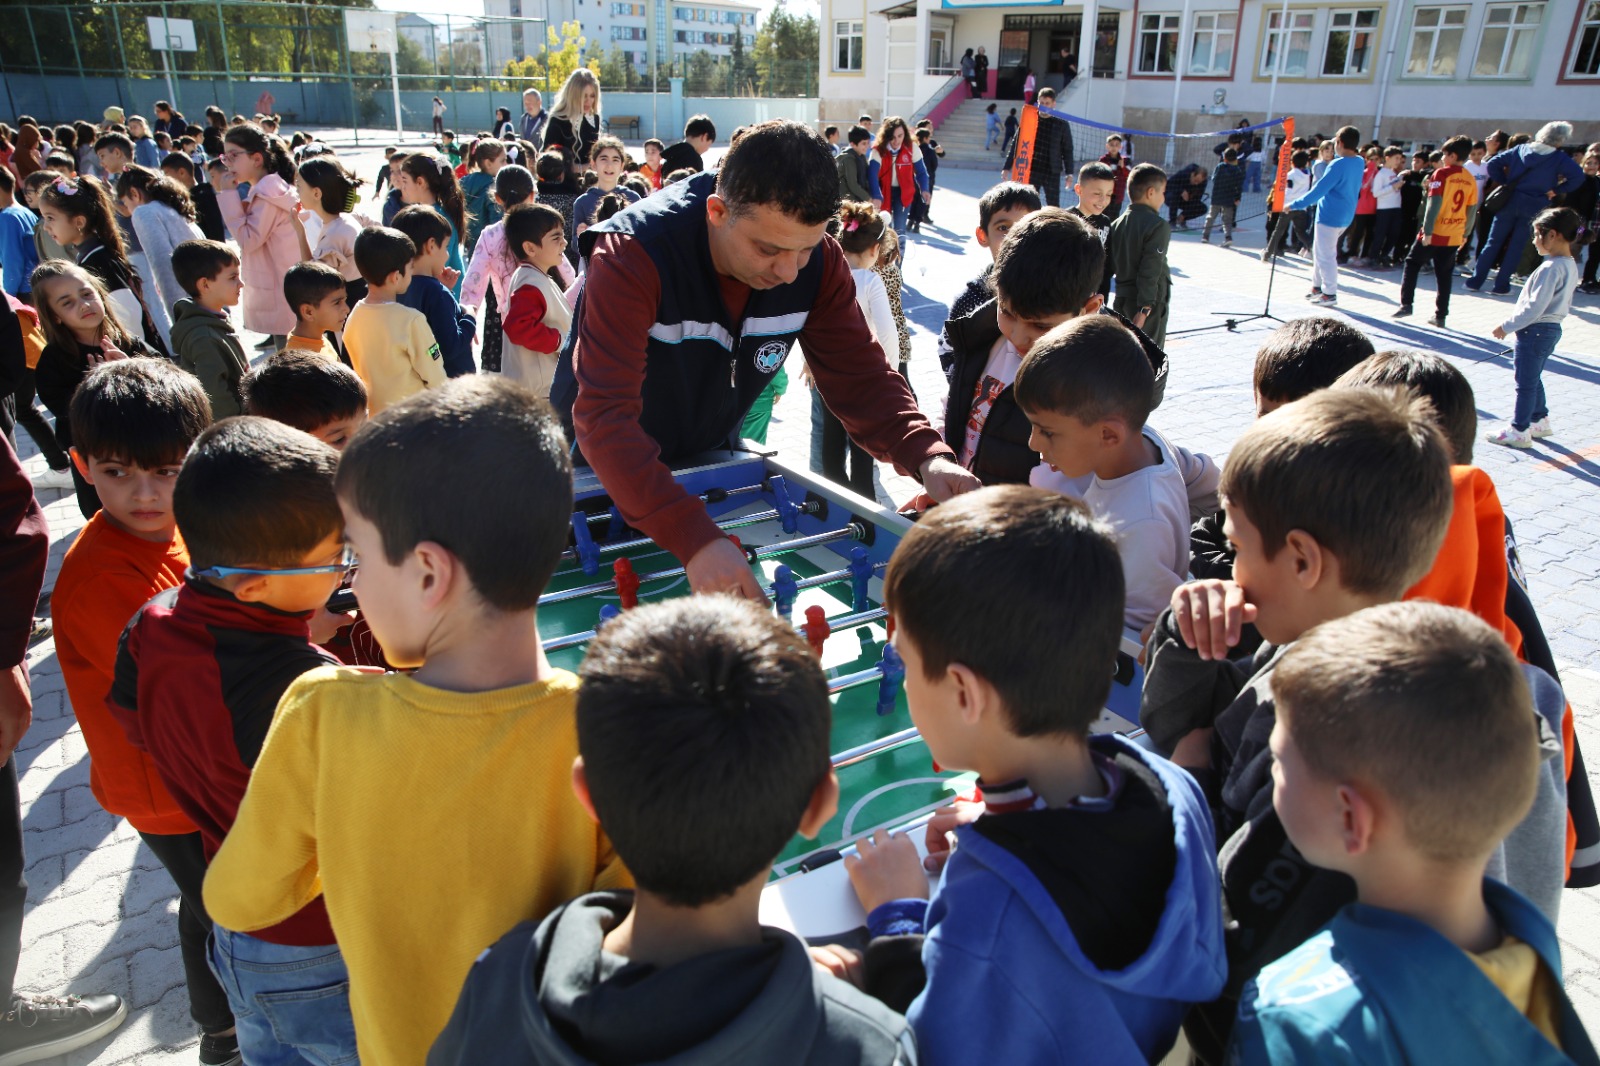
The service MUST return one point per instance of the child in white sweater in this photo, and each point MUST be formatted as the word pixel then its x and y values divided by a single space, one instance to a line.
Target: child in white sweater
pixel 1536 320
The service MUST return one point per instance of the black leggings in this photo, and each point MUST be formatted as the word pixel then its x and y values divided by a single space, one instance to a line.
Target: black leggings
pixel 185 860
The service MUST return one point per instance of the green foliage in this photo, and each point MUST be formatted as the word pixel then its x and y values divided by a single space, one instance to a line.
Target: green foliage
pixel 786 53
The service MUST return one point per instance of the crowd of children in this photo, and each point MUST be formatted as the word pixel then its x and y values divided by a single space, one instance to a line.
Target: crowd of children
pixel 1351 791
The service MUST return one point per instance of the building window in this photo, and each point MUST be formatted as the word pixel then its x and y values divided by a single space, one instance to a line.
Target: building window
pixel 1435 41
pixel 1586 57
pixel 1505 47
pixel 1350 39
pixel 1158 43
pixel 1214 33
pixel 1286 47
pixel 847 41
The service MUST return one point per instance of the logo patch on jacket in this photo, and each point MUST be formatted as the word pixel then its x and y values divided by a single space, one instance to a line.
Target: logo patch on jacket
pixel 433 352
pixel 770 356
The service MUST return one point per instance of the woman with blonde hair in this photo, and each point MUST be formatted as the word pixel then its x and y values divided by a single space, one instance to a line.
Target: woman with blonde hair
pixel 575 119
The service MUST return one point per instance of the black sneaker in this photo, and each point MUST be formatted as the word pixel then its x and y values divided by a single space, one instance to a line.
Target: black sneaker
pixel 42 1027
pixel 220 1050
pixel 1403 311
pixel 1437 321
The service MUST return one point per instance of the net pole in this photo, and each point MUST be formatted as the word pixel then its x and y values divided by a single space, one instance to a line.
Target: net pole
pixel 1177 81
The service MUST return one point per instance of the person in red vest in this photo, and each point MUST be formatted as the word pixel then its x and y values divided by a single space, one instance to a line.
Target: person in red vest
pixel 896 175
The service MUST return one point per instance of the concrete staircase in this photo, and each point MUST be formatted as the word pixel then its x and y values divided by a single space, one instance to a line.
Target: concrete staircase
pixel 961 136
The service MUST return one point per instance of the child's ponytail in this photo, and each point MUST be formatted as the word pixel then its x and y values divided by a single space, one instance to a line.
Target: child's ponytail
pixel 340 189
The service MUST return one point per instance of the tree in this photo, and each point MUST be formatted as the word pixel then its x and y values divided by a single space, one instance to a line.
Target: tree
pixel 787 52
pixel 738 63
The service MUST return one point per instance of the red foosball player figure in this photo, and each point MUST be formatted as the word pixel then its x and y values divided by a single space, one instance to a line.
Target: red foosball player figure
pixel 627 583
pixel 817 628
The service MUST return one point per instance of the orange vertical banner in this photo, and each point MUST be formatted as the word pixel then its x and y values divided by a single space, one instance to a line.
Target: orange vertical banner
pixel 1027 133
pixel 1285 155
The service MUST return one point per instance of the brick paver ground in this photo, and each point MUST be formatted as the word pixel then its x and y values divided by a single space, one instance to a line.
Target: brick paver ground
pixel 102 911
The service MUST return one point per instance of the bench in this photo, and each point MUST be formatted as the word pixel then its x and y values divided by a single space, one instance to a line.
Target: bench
pixel 618 122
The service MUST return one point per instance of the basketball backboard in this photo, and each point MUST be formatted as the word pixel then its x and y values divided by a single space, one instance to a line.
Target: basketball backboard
pixel 370 31
pixel 171 35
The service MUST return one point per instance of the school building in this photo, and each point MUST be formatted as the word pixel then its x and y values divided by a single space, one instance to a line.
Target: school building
pixel 1403 68
pixel 677 28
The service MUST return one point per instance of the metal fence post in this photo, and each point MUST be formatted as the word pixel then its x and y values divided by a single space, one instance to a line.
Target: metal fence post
pixel 227 63
pixel 83 79
pixel 123 90
pixel 38 60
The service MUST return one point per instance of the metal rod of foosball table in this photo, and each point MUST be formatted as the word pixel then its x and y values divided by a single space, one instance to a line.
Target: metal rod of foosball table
pixel 580 591
pixel 862 752
pixel 713 496
pixel 831 577
pixel 860 677
pixel 644 542
pixel 850 621
pixel 854 531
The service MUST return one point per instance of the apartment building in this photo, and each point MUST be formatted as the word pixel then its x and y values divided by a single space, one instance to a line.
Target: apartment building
pixel 674 28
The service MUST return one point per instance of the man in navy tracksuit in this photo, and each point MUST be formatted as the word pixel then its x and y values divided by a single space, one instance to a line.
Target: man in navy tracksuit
pixel 694 299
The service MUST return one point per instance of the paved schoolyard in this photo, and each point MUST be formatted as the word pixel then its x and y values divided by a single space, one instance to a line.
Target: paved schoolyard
pixel 101 910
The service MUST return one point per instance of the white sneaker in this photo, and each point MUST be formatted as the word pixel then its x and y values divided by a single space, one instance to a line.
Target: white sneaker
pixel 1540 429
pixel 1510 437
pixel 53 479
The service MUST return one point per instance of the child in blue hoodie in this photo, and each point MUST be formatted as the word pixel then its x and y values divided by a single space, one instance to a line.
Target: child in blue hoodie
pixel 1402 757
pixel 1079 914
pixel 1336 192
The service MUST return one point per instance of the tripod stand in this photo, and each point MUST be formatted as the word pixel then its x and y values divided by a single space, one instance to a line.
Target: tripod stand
pixel 1234 319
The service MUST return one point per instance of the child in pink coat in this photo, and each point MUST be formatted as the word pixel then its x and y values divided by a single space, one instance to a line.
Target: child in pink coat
pixel 263 224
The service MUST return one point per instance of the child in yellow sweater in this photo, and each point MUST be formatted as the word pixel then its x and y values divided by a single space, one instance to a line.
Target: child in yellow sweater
pixel 430 809
pixel 390 346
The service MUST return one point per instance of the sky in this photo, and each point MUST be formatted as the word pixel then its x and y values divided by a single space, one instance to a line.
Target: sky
pixel 475 7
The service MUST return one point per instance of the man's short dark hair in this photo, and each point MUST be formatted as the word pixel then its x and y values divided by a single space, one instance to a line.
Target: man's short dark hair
pixel 784 165
pixel 306 390
pixel 1349 138
pixel 999 613
pixel 1005 196
pixel 698 126
pixel 422 224
pixel 1435 379
pixel 1307 354
pixel 859 134
pixel 194 260
pixel 830 131
pixel 1046 92
pixel 1050 264
pixel 143 412
pixel 1459 146
pixel 684 704
pixel 381 251
pixel 422 469
pixel 1363 470
pixel 256 492
pixel 1142 177
pixel 313 282
pixel 178 161
pixel 1230 155
pixel 119 141
pixel 1300 159
pixel 1090 369
pixel 1096 171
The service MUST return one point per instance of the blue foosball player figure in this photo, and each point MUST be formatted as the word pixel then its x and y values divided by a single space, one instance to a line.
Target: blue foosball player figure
pixel 784 591
pixel 860 576
pixel 894 675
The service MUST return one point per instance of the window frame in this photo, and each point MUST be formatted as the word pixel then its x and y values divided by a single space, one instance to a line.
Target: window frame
pixel 1586 20
pixel 1435 32
pixel 1161 32
pixel 1215 31
pixel 1351 32
pixel 1508 45
pixel 844 32
pixel 1269 34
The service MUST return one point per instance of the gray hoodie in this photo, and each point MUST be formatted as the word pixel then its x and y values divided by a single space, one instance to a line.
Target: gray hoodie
pixel 550 995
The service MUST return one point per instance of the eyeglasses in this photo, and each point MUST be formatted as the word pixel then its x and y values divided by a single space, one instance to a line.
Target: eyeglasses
pixel 347 560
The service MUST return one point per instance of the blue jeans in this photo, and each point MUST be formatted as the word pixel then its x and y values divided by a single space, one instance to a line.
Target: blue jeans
pixel 1535 345
pixel 901 213
pixel 1252 177
pixel 292 1004
pixel 1506 232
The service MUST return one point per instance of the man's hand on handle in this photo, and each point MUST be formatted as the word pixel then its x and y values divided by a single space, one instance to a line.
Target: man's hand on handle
pixel 944 478
pixel 721 567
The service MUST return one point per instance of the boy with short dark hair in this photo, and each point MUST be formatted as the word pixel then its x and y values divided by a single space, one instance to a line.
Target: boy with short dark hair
pixel 1335 502
pixel 1031 951
pixel 1227 189
pixel 853 167
pixel 1120 171
pixel 203 337
pixel 114 151
pixel 133 420
pixel 830 133
pixel 1334 195
pixel 391 346
pixel 687 941
pixel 208 216
pixel 651 167
pixel 316 293
pixel 1137 244
pixel 999 209
pixel 1086 389
pixel 199 672
pixel 1094 188
pixel 699 134
pixel 1364 703
pixel 1452 212
pixel 453 328
pixel 319 396
pixel 607 158
pixel 454 599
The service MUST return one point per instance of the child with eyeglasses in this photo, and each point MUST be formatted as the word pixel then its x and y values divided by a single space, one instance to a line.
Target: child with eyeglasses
pixel 198 676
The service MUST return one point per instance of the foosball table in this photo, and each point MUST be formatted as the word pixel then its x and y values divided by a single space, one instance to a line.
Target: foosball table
pixel 820 551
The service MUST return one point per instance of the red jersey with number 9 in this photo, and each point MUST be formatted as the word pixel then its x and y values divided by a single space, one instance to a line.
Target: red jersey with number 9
pixel 1457 190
